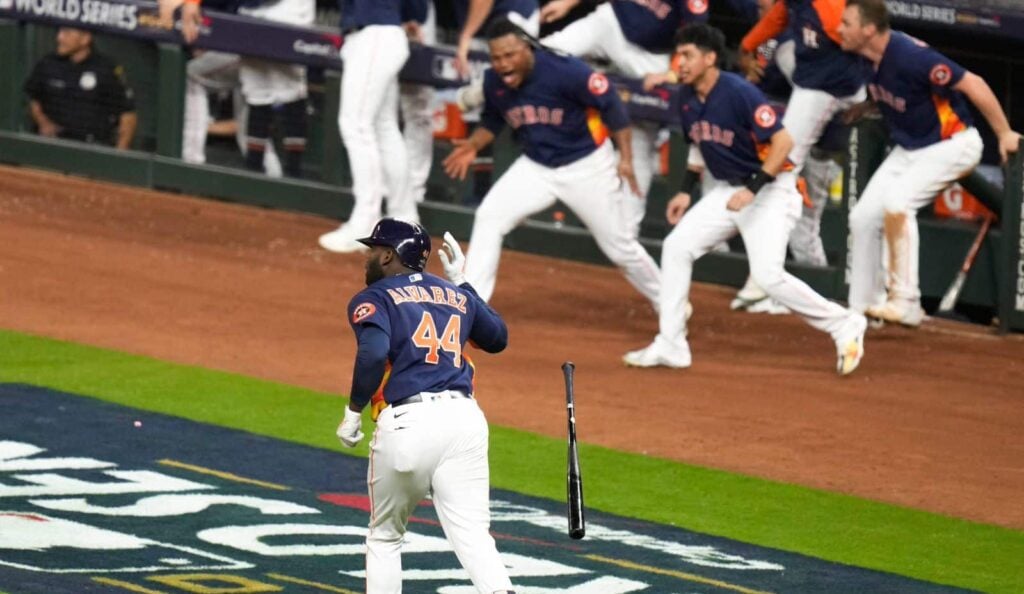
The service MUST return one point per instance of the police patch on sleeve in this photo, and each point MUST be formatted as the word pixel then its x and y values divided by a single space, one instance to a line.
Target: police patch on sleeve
pixel 697 6
pixel 941 75
pixel 765 116
pixel 598 83
pixel 363 311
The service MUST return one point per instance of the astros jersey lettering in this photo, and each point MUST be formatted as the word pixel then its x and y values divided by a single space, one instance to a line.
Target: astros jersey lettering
pixel 548 112
pixel 363 13
pixel 429 321
pixel 913 87
pixel 652 24
pixel 730 127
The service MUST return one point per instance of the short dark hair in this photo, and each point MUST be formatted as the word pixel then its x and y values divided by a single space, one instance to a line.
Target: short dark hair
pixel 705 37
pixel 502 27
pixel 872 12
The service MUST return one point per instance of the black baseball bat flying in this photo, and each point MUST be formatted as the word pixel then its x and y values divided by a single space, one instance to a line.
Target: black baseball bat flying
pixel 953 293
pixel 574 479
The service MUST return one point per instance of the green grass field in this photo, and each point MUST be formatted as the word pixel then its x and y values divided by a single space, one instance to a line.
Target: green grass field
pixel 821 524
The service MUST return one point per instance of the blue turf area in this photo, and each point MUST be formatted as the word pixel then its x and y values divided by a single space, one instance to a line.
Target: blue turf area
pixel 96 497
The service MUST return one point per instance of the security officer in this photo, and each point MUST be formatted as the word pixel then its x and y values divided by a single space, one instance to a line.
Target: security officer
pixel 79 94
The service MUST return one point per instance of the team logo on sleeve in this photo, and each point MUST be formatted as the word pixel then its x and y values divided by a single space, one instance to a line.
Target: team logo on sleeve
pixel 363 311
pixel 941 75
pixel 598 84
pixel 697 6
pixel 765 116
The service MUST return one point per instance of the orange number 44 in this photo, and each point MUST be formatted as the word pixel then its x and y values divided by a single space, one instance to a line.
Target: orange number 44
pixel 426 337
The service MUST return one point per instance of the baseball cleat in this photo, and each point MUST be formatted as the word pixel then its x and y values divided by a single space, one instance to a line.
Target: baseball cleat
pixel 748 296
pixel 905 313
pixel 850 348
pixel 768 306
pixel 658 355
pixel 341 241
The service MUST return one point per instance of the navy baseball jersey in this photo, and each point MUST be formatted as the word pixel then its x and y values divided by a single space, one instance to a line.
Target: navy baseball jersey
pixel 652 24
pixel 363 13
pixel 415 10
pixel 913 86
pixel 524 8
pixel 814 25
pixel 429 321
pixel 732 126
pixel 554 110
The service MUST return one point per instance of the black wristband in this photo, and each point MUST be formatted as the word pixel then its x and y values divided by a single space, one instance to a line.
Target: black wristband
pixel 759 180
pixel 690 181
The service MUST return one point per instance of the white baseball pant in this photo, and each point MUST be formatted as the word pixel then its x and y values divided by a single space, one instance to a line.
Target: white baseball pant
pixel 265 82
pixel 215 71
pixel 417 103
pixel 440 448
pixel 807 114
pixel 904 183
pixel 599 35
pixel 765 226
pixel 368 121
pixel 591 187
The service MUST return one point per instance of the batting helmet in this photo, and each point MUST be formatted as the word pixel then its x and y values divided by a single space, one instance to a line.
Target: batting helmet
pixel 409 240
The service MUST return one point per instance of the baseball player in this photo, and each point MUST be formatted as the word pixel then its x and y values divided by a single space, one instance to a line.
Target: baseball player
pixel 417 101
pixel 923 97
pixel 471 16
pixel 826 80
pixel 375 49
pixel 636 37
pixel 550 102
pixel 431 437
pixel 736 137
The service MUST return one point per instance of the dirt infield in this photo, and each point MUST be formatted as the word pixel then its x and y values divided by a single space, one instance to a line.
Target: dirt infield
pixel 932 420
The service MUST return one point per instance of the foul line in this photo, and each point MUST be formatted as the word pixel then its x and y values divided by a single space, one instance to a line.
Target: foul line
pixel 224 475
pixel 324 587
pixel 126 585
pixel 677 574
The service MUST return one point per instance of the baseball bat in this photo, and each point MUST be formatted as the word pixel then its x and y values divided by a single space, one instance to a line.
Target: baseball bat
pixel 574 478
pixel 949 299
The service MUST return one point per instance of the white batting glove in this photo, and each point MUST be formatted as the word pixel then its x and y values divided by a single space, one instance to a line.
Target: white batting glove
pixel 452 259
pixel 350 430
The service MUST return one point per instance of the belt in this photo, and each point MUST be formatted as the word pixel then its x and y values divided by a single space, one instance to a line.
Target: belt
pixel 432 397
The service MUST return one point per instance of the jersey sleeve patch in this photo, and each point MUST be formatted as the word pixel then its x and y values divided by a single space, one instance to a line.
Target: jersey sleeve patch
pixel 363 311
pixel 697 6
pixel 765 116
pixel 940 75
pixel 598 83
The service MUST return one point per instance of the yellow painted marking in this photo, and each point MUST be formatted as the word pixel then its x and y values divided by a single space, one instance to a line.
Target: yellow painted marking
pixel 301 582
pixel 224 475
pixel 197 583
pixel 690 577
pixel 126 585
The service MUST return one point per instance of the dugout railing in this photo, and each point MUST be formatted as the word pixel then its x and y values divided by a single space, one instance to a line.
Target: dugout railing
pixel 997 280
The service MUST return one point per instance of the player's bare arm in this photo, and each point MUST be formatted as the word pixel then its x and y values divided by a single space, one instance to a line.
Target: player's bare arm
pixel 476 16
pixel 413 31
pixel 655 79
pixel 556 10
pixel 623 141
pixel 860 111
pixel 778 151
pixel 457 164
pixel 981 95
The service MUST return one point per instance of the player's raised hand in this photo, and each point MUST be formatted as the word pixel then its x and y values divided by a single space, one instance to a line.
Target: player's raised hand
pixel 740 200
pixel 556 10
pixel 1009 141
pixel 191 19
pixel 629 176
pixel 165 12
pixel 457 164
pixel 677 207
pixel 452 259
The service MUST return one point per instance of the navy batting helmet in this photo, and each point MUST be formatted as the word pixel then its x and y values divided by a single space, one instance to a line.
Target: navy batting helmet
pixel 409 240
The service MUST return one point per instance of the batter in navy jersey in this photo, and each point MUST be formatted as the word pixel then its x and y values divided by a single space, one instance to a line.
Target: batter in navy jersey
pixel 412 329
pixel 554 105
pixel 636 37
pixel 923 96
pixel 736 138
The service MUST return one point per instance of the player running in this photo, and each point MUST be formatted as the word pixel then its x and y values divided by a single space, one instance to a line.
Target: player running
pixel 922 95
pixel 431 437
pixel 550 102
pixel 737 138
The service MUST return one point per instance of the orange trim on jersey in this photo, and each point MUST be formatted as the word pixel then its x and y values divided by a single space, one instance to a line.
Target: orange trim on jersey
pixel 949 122
pixel 377 402
pixel 830 13
pixel 801 186
pixel 598 131
pixel 762 153
pixel 769 27
pixel 472 366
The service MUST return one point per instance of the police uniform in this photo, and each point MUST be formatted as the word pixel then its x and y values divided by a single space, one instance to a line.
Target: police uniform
pixel 431 437
pixel 85 99
pixel 637 38
pixel 551 115
pixel 729 129
pixel 936 144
